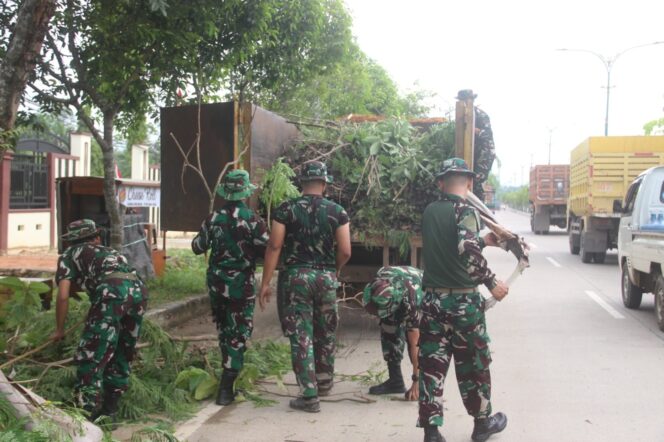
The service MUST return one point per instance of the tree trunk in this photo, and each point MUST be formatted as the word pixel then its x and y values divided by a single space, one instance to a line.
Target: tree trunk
pixel 112 206
pixel 21 56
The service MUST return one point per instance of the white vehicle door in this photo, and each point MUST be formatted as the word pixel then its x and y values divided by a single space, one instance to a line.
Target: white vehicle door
pixel 625 230
pixel 648 222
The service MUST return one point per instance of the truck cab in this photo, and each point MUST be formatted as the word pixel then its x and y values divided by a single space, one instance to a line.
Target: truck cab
pixel 641 241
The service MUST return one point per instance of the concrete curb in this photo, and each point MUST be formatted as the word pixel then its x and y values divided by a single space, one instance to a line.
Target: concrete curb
pixel 176 313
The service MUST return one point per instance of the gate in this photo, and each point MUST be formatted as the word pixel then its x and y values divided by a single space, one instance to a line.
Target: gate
pixel 29 182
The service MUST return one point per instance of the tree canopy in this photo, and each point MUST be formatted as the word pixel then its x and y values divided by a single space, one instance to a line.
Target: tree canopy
pixel 654 127
pixel 112 61
pixel 22 29
pixel 356 85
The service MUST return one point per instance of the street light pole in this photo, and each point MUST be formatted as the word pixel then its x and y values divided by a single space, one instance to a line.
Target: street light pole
pixel 608 63
pixel 551 129
pixel 608 96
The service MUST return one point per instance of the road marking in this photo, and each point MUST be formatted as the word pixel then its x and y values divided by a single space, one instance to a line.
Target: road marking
pixel 192 425
pixel 605 305
pixel 532 245
pixel 553 261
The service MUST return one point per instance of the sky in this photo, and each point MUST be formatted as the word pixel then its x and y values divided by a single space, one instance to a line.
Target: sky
pixel 506 51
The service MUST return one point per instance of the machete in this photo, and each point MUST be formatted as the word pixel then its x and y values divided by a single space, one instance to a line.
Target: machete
pixel 507 240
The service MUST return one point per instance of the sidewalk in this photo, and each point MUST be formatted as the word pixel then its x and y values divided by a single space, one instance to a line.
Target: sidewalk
pixel 28 263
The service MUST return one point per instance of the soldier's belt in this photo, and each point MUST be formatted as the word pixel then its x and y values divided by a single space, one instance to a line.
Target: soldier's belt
pixel 313 266
pixel 447 291
pixel 121 275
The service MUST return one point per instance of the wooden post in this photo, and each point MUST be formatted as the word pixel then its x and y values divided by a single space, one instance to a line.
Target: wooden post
pixel 465 126
pixel 5 185
pixel 415 247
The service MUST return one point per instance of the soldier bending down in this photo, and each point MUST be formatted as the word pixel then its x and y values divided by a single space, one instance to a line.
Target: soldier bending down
pixel 394 296
pixel 118 301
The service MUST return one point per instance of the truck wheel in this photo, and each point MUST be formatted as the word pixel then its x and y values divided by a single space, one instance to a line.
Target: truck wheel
pixel 574 250
pixel 659 301
pixel 631 294
pixel 586 257
pixel 600 257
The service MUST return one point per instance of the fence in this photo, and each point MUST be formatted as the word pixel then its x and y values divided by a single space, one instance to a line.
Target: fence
pixel 29 182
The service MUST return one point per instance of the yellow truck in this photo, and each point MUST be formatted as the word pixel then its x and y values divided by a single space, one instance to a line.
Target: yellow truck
pixel 601 170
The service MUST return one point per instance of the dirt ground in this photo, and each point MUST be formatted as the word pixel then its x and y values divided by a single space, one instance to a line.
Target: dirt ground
pixel 25 262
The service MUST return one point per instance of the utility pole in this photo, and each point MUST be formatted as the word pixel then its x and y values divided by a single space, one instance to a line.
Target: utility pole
pixel 551 129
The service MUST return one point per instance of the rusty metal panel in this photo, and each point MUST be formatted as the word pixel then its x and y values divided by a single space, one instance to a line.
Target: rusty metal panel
pixel 270 134
pixel 184 199
pixel 226 129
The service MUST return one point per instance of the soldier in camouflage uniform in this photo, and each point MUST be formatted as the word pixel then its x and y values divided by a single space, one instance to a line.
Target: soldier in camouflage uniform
pixel 118 301
pixel 484 151
pixel 235 236
pixel 453 323
pixel 394 296
pixel 308 227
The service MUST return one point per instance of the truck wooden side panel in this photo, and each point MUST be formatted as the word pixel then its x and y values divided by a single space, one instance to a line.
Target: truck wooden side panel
pixel 549 184
pixel 602 168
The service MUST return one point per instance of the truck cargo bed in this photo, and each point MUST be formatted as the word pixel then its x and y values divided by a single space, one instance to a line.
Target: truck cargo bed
pixel 603 167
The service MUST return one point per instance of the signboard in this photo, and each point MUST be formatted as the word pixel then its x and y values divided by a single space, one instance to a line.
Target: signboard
pixel 139 196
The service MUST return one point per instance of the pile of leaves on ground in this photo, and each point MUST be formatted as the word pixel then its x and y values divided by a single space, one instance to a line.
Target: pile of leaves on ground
pixel 168 378
pixel 384 172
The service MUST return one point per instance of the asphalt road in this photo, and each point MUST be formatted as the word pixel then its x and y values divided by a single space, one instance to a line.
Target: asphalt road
pixel 570 363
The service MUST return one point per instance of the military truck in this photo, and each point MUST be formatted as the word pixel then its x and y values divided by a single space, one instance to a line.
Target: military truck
pixel 547 195
pixel 601 170
pixel 224 130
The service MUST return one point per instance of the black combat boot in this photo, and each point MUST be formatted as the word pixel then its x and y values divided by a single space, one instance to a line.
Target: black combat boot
pixel 487 426
pixel 394 384
pixel 431 434
pixel 308 404
pixel 325 387
pixel 226 393
pixel 110 407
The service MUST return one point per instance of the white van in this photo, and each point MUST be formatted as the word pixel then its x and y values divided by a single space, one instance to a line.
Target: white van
pixel 641 241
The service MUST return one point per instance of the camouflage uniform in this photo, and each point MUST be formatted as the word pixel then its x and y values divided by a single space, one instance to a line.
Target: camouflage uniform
pixel 484 151
pixel 118 300
pixel 306 293
pixel 395 296
pixel 235 235
pixel 453 323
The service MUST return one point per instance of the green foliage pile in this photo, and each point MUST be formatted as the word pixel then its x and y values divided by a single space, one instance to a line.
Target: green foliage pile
pixel 12 428
pixel 24 325
pixel 277 186
pixel 168 377
pixel 384 172
pixel 262 360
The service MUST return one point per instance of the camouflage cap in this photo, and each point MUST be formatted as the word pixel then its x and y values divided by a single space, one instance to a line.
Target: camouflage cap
pixel 81 229
pixel 315 170
pixel 235 186
pixel 455 165
pixel 384 295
